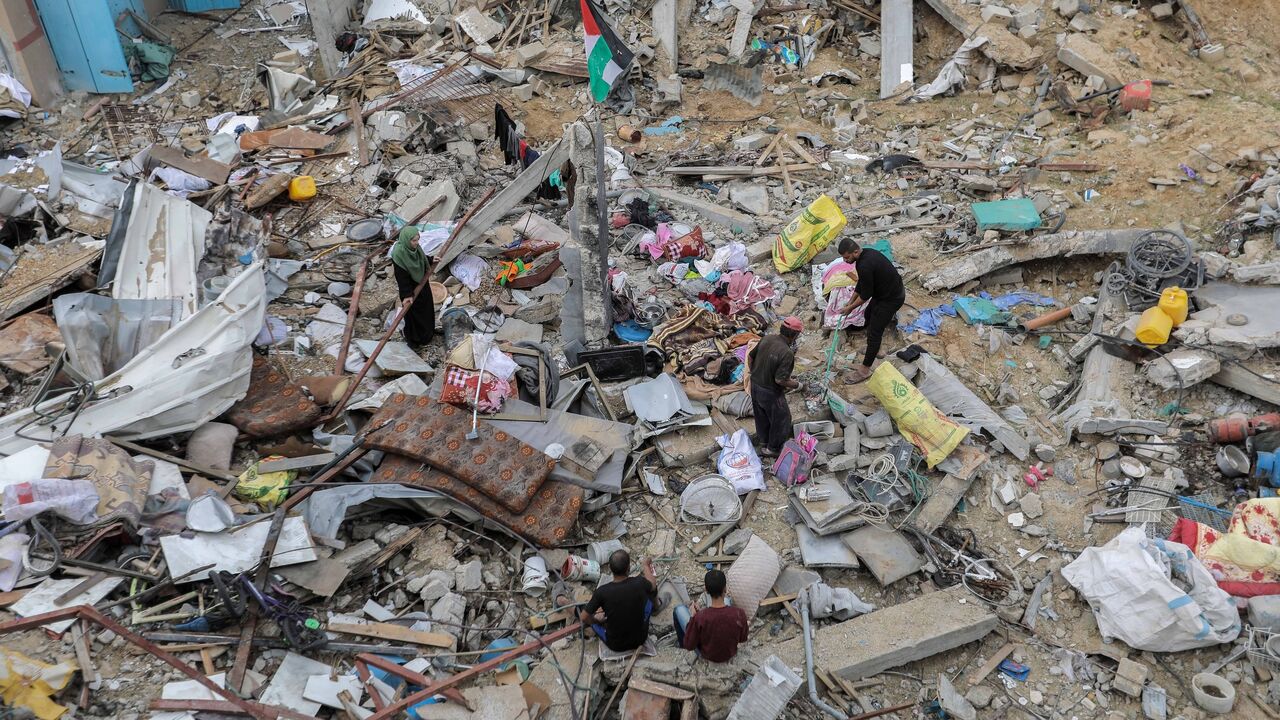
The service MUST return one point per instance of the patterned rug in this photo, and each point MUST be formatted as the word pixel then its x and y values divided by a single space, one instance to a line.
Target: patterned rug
pixel 497 465
pixel 547 521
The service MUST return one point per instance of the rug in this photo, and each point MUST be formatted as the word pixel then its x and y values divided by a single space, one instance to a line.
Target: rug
pixel 497 465
pixel 273 406
pixel 547 521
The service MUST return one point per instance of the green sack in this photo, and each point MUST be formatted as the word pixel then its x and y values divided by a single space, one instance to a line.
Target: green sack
pixel 150 61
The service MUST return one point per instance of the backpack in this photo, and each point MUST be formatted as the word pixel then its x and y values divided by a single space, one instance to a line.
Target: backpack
pixel 795 460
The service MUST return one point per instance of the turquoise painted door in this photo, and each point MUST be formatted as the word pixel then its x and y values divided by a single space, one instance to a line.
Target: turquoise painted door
pixel 203 5
pixel 85 44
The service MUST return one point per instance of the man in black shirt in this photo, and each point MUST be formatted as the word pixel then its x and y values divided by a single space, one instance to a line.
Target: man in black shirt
pixel 625 604
pixel 771 362
pixel 880 286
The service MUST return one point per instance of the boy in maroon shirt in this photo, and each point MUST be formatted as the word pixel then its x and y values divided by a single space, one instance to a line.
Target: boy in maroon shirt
pixel 714 632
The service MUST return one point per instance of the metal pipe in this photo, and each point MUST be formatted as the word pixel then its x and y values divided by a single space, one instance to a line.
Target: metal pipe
pixel 803 601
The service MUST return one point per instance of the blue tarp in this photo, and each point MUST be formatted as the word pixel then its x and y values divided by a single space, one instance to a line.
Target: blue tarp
pixel 930 320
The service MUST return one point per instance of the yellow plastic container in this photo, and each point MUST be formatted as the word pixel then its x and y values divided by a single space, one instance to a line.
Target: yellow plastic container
pixel 1173 301
pixel 302 187
pixel 1153 327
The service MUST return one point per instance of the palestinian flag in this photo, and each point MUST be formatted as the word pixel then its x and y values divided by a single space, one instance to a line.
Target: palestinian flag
pixel 607 57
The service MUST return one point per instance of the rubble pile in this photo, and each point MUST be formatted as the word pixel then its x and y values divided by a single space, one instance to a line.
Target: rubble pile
pixel 355 354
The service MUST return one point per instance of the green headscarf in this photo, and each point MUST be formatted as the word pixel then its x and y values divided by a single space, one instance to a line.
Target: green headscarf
pixel 407 254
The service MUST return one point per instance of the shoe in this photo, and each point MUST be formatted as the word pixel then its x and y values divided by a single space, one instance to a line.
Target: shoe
pixel 767 453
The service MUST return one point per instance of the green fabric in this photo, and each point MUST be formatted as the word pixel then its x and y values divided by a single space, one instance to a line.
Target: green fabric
pixel 152 59
pixel 408 255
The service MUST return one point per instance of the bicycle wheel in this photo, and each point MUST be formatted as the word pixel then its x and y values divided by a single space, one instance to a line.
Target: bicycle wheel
pixel 227 589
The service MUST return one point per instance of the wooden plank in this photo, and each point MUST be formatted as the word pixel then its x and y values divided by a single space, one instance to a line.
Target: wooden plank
pixel 357 126
pixel 778 599
pixel 11 597
pixel 738 170
pixel 662 689
pixel 537 622
pixel 298 463
pixel 192 467
pixel 981 673
pixel 202 167
pixel 388 631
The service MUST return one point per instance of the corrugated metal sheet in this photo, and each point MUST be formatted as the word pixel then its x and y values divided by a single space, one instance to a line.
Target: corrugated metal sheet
pixel 162 247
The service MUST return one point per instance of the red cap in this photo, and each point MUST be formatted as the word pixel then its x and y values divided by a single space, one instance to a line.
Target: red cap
pixel 793 323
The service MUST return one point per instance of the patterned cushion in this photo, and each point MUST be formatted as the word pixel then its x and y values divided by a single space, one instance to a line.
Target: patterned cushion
pixel 501 467
pixel 274 406
pixel 547 522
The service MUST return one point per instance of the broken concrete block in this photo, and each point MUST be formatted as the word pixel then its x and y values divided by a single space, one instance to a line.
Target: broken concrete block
pixel 527 54
pixel 1045 452
pixel 432 586
pixel 1130 677
pixel 1213 54
pixel 894 636
pixel 426 197
pixel 760 250
pixel 980 696
pixel 190 99
pixel 997 14
pixel 754 141
pixel 749 196
pixel 956 705
pixel 1162 11
pixel 1067 8
pixel 979 183
pixel 1184 367
pixel 1088 58
pixel 843 463
pixel 1042 118
pixel 1031 505
pixel 523 93
pixel 468 577
pixel 449 610
pixel 1085 23
pixel 735 541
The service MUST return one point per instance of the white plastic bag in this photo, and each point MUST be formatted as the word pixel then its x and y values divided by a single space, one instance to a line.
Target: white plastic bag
pixel 75 500
pixel 739 464
pixel 1129 583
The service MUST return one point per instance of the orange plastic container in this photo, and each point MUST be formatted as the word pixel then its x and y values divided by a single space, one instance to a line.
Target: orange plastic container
pixel 1153 327
pixel 302 187
pixel 1173 301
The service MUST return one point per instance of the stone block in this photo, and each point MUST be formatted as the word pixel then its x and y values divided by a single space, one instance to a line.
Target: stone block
pixel 1162 11
pixel 449 610
pixel 1130 677
pixel 527 54
pixel 997 14
pixel 894 636
pixel 754 141
pixel 469 577
pixel 1185 367
pixel 523 93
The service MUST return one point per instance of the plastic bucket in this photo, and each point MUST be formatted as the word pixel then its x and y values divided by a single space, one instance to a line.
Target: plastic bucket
pixel 212 288
pixel 579 568
pixel 534 579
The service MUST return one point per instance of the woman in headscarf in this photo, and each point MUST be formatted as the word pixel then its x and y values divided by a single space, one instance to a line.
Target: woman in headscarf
pixel 411 266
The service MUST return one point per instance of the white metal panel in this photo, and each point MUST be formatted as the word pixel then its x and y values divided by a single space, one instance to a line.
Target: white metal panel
pixel 162 248
pixel 192 374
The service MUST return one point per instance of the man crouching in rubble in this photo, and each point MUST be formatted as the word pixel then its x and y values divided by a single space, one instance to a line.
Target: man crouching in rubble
pixel 619 611
pixel 771 362
pixel 713 632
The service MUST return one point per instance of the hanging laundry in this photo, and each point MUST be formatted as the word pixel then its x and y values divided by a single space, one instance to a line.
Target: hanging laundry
pixel 515 149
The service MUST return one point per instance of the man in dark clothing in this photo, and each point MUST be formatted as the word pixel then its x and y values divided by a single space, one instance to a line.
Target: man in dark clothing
pixel 880 286
pixel 626 604
pixel 772 360
pixel 714 632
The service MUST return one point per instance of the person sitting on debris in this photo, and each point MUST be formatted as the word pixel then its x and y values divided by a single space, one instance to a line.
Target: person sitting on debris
pixel 714 632
pixel 771 362
pixel 619 611
pixel 880 286
pixel 411 266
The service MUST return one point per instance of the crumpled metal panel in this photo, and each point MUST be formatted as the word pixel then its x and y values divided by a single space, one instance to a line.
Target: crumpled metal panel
pixel 191 375
pixel 161 250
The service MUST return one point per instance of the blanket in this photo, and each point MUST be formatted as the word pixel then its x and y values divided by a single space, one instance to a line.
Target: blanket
pixel 1245 560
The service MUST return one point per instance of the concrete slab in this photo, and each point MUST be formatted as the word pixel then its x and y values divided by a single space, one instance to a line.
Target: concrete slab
pixel 1089 58
pixel 1004 47
pixel 897 45
pixel 730 218
pixel 886 553
pixel 884 639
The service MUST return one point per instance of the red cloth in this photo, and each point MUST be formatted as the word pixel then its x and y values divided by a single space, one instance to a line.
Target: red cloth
pixel 716 631
pixel 1199 538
